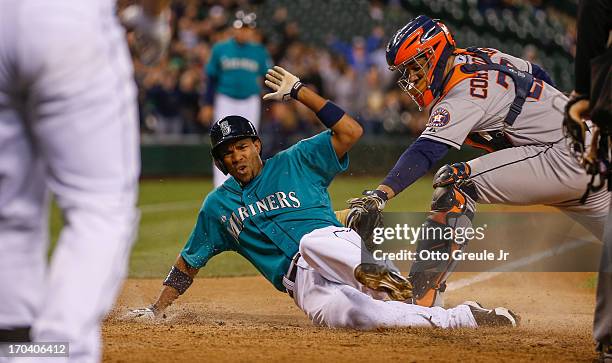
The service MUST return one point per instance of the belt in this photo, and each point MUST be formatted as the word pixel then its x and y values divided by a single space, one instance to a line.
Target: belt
pixel 289 277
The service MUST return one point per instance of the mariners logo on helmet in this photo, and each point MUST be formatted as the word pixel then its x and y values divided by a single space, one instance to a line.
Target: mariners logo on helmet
pixel 229 128
pixel 225 128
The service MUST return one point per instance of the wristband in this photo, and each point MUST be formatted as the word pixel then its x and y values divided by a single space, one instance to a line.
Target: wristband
pixel 379 193
pixel 295 89
pixel 330 114
pixel 178 279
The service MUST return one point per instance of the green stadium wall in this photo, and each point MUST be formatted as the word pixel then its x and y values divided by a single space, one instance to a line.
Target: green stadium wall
pixel 369 157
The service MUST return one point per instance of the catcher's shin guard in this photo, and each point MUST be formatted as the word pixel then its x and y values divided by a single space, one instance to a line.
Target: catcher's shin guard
pixel 452 207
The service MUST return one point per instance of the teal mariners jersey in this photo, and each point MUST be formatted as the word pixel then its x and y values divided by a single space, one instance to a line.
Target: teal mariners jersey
pixel 265 220
pixel 237 68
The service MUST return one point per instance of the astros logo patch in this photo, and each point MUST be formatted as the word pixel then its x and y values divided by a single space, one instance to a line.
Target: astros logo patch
pixel 439 118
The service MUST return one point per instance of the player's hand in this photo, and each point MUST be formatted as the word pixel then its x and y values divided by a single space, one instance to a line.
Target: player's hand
pixel 152 33
pixel 372 199
pixel 284 84
pixel 143 314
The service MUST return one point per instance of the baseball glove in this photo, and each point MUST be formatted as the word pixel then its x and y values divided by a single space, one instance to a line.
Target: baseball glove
pixel 574 126
pixel 365 214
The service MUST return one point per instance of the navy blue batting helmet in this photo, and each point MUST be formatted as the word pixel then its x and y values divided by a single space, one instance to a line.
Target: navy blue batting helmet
pixel 227 129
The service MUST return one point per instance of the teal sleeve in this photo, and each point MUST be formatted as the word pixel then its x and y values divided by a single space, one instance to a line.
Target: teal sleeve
pixel 266 62
pixel 205 241
pixel 318 155
pixel 212 67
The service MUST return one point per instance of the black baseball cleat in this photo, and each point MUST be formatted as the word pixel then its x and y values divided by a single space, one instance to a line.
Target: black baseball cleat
pixel 381 278
pixel 497 317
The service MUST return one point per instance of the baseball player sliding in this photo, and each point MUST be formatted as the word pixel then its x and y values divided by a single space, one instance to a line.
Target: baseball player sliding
pixel 492 100
pixel 68 127
pixel 277 214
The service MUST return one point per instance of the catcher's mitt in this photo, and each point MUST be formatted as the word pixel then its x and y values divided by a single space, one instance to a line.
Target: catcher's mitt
pixel 365 214
pixel 574 127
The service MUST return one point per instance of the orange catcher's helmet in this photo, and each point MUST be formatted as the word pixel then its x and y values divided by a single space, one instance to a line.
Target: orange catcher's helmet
pixel 419 51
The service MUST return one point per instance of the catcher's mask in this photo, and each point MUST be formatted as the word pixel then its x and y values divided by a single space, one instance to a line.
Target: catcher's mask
pixel 419 51
pixel 229 128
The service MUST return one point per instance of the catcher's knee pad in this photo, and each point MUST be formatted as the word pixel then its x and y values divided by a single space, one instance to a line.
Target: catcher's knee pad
pixel 452 207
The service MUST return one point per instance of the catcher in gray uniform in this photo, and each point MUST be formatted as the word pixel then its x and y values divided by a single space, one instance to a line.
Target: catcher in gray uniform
pixel 494 101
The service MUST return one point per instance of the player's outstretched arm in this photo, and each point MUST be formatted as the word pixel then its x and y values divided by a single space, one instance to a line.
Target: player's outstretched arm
pixel 176 283
pixel 346 131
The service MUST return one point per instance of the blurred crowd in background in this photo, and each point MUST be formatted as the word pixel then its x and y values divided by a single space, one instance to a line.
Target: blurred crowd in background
pixel 349 69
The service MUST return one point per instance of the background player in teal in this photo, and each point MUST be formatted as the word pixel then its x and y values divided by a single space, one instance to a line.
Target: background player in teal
pixel 233 74
pixel 278 215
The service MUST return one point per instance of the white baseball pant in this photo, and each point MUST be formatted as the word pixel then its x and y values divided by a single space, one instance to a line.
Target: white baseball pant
pixel 68 128
pixel 327 291
pixel 249 108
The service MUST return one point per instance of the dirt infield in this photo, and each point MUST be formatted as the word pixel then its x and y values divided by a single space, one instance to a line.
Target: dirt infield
pixel 245 319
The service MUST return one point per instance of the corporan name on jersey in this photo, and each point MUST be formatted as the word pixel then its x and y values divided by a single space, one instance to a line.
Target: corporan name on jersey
pixel 239 63
pixel 278 200
pixel 479 84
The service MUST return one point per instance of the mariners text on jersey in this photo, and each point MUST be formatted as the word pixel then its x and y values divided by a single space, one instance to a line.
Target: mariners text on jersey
pixel 271 202
pixel 239 63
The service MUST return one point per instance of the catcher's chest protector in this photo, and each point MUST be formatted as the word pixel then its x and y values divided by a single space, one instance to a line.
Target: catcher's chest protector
pixel 523 83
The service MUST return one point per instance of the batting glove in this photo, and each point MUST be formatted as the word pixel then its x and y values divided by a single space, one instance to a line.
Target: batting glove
pixel 152 34
pixel 284 84
pixel 147 313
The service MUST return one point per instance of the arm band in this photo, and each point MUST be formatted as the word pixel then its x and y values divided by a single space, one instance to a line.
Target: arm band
pixel 330 114
pixel 178 279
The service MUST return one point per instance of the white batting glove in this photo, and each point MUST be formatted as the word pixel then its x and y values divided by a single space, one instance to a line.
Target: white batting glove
pixel 284 84
pixel 152 34
pixel 142 314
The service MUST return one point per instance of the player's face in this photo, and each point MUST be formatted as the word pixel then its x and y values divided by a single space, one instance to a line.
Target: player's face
pixel 243 35
pixel 413 78
pixel 242 160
